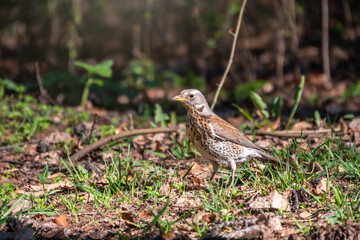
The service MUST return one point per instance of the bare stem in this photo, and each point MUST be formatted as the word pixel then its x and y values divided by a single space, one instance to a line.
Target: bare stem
pixel 235 35
pixel 325 37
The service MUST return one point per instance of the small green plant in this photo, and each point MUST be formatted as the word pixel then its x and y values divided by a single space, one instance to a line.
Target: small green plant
pixel 276 107
pixel 5 210
pixel 10 85
pixel 261 106
pixel 299 89
pixel 160 116
pixel 102 69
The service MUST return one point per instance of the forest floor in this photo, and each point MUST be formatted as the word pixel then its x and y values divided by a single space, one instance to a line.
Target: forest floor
pixel 156 185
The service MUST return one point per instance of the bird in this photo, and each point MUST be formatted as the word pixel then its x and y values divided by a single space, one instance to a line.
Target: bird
pixel 215 139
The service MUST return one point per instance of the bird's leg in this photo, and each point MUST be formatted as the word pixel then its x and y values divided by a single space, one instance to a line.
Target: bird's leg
pixel 215 169
pixel 233 170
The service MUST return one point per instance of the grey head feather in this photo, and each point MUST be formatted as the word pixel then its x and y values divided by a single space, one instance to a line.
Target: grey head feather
pixel 198 101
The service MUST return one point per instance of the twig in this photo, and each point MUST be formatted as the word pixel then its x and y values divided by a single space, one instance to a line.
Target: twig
pixel 235 35
pixel 131 122
pixel 325 37
pixel 39 80
pixel 43 93
pixel 295 201
pixel 9 147
pixel 88 139
pixel 294 133
pixel 78 155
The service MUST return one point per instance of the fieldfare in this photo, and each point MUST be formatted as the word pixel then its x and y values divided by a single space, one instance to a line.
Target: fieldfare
pixel 215 139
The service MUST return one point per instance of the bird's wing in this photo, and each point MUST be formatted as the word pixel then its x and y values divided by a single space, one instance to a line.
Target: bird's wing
pixel 226 131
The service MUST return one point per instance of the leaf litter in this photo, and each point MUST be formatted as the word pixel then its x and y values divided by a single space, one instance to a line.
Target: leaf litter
pixel 183 204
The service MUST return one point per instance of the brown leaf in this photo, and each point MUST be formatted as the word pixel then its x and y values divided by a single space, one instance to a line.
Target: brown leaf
pixel 304 215
pixel 355 124
pixel 127 216
pixel 24 205
pixel 145 214
pixel 322 187
pixel 314 167
pixel 302 125
pixel 341 169
pixel 209 218
pixel 164 189
pixel 196 181
pixel 274 200
pixel 57 137
pixel 39 189
pixel 264 143
pixel 98 234
pixel 61 220
pixel 5 165
pixel 169 236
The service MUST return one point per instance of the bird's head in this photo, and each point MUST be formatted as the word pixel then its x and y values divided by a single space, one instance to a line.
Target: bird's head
pixel 192 99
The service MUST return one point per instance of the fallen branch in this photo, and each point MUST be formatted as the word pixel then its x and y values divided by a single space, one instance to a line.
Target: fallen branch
pixel 235 35
pixel 78 155
pixel 10 147
pixel 293 133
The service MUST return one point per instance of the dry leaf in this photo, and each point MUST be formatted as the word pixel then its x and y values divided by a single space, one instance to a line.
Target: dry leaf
pixel 263 143
pixel 304 215
pixel 39 189
pixel 168 236
pixel 61 220
pixel 274 200
pixel 209 218
pixel 196 181
pixel 314 167
pixel 322 187
pixel 145 214
pixel 57 137
pixel 355 124
pixel 164 189
pixel 302 125
pixel 341 169
pixel 24 205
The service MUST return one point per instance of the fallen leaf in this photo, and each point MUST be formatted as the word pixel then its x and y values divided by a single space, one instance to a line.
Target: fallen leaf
pixel 61 220
pixel 263 143
pixel 5 165
pixel 355 124
pixel 209 218
pixel 196 181
pixel 24 205
pixel 57 137
pixel 127 216
pixel 274 200
pixel 304 215
pixel 322 187
pixel 54 234
pixel 39 189
pixel 164 189
pixel 278 201
pixel 302 125
pixel 98 234
pixel 168 236
pixel 145 214
pixel 341 169
pixel 314 167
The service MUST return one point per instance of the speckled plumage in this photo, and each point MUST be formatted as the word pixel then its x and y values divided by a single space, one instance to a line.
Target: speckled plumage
pixel 215 139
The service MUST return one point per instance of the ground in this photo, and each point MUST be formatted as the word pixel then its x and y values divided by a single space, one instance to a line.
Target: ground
pixel 157 186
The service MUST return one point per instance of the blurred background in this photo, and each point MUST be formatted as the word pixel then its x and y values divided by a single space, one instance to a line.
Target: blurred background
pixel 160 47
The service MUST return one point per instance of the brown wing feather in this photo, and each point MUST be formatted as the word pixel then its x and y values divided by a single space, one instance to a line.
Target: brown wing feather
pixel 230 133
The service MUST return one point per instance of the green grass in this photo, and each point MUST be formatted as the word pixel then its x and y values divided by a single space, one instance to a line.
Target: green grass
pixel 124 184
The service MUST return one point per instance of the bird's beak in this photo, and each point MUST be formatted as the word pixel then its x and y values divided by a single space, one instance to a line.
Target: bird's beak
pixel 178 98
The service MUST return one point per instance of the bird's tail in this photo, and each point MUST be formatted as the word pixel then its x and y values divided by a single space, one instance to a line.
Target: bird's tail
pixel 273 160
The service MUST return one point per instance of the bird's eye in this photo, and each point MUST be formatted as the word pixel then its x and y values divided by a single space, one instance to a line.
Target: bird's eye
pixel 191 96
